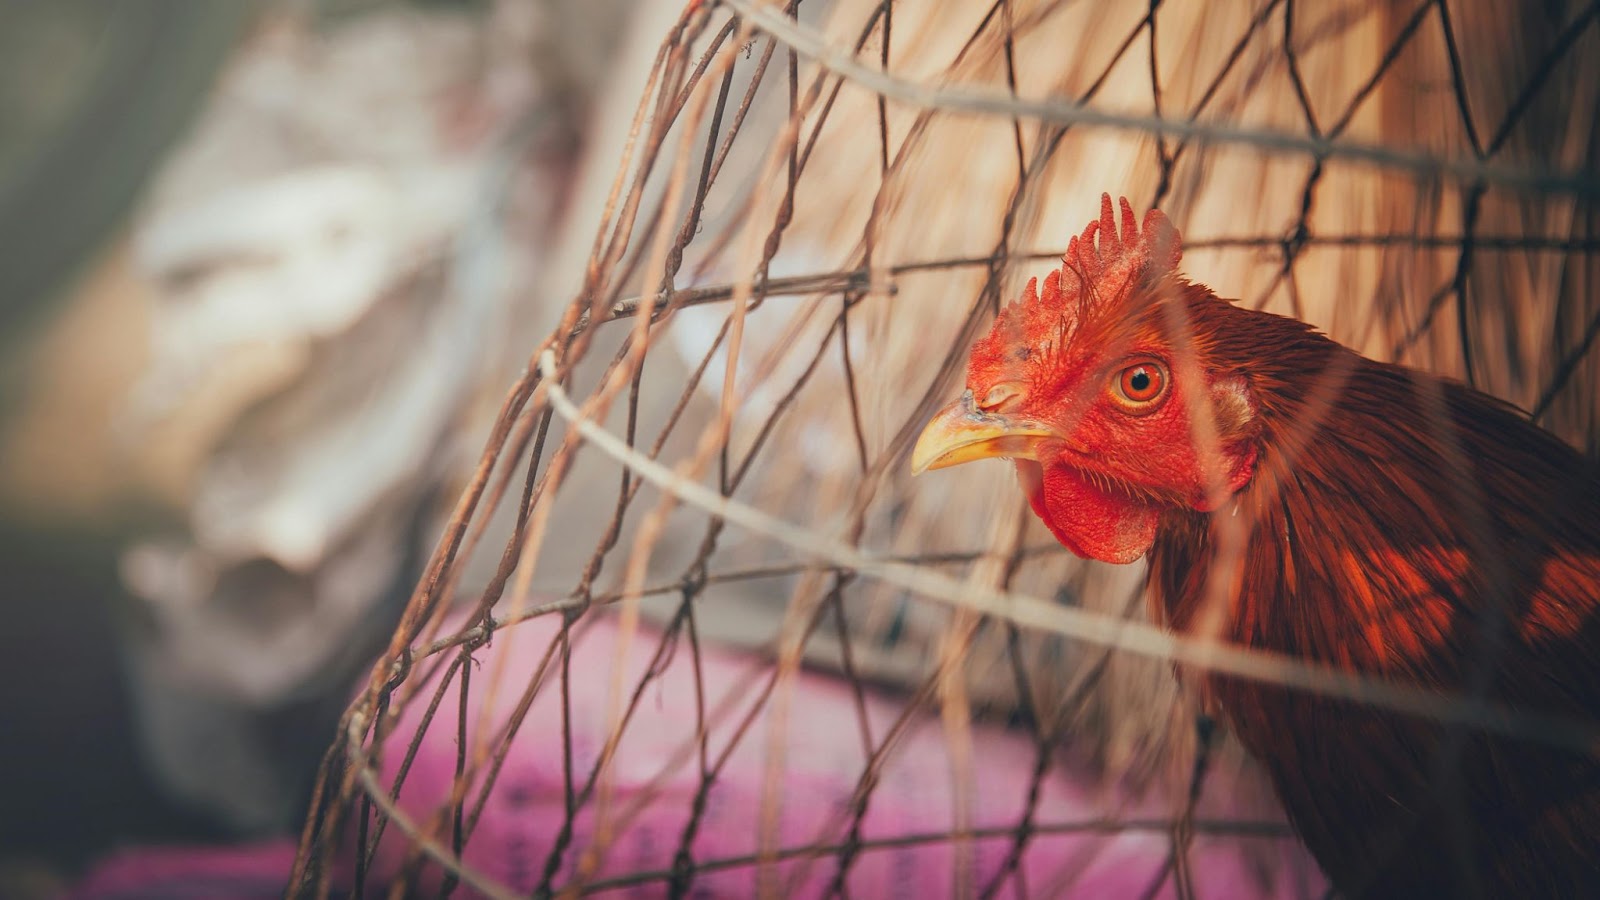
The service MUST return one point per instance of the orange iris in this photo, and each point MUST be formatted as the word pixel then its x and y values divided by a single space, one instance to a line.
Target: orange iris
pixel 1140 385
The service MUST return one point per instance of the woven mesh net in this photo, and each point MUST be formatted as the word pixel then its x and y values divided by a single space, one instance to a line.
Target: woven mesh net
pixel 693 630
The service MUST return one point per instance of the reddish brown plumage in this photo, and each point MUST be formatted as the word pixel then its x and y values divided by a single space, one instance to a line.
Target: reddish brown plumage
pixel 1429 534
pixel 1392 523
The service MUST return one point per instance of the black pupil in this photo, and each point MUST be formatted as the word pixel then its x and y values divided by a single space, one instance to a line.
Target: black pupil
pixel 1139 381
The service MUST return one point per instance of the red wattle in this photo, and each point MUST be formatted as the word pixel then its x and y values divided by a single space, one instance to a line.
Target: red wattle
pixel 1091 522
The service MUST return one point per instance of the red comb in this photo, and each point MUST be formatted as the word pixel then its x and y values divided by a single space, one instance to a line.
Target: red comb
pixel 1094 275
pixel 1120 259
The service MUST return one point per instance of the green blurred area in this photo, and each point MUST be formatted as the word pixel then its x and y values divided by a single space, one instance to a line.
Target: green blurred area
pixel 92 94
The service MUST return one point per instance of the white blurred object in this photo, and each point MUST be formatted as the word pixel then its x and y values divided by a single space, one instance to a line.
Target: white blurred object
pixel 268 271
pixel 299 255
pixel 333 251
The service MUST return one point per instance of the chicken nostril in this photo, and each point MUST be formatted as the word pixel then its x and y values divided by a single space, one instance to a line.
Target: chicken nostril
pixel 1001 397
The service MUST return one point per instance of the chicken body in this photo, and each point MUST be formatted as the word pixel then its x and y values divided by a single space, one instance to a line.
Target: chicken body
pixel 1427 534
pixel 1293 496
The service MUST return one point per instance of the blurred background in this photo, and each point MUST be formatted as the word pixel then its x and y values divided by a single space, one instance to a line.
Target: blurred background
pixel 256 264
pixel 267 269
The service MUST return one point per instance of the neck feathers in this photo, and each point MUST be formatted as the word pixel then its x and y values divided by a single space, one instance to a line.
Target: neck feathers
pixel 1387 506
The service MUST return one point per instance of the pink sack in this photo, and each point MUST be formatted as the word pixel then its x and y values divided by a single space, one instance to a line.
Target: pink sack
pixel 655 776
pixel 655 780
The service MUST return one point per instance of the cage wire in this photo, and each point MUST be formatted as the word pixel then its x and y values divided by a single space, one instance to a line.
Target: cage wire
pixel 714 556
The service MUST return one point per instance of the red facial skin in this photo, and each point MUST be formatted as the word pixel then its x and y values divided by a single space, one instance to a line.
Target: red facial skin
pixel 1102 483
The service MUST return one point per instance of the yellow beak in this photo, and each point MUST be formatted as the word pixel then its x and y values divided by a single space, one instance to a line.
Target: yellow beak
pixel 961 432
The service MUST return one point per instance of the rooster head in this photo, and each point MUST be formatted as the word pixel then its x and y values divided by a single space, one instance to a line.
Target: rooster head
pixel 1100 387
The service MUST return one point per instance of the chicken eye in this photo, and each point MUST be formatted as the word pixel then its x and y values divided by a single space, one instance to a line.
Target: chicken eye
pixel 1140 386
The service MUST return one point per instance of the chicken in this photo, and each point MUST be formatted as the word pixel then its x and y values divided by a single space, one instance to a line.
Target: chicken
pixel 1291 495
